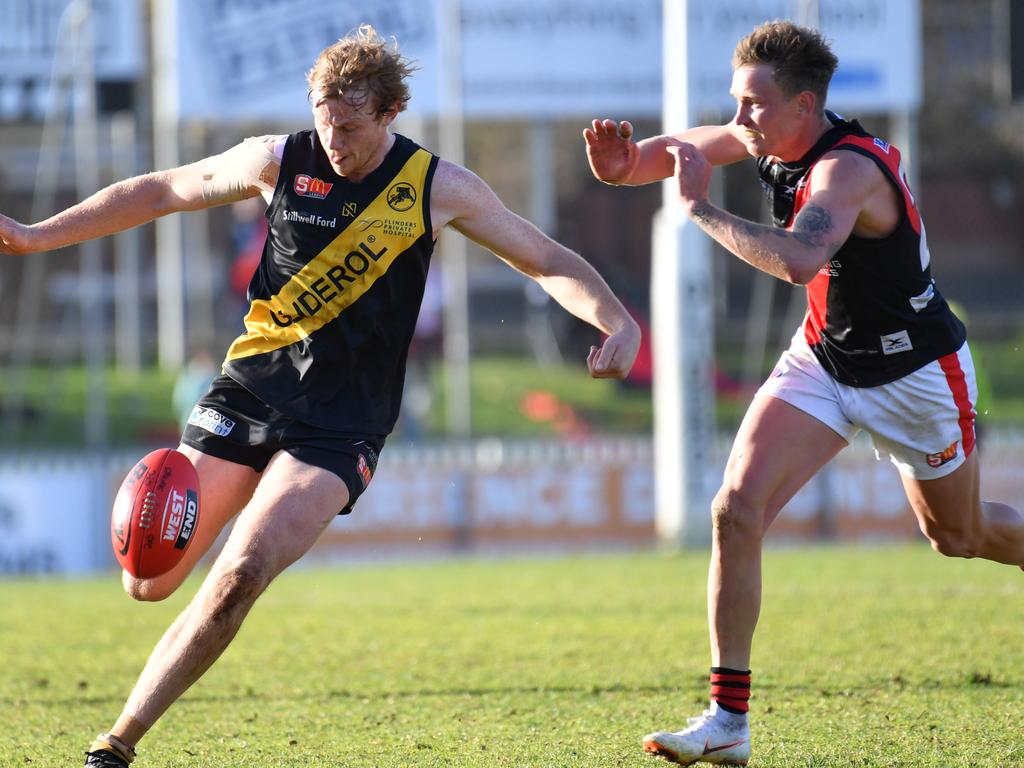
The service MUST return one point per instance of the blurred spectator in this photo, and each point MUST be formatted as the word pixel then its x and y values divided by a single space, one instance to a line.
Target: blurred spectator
pixel 192 383
pixel 249 234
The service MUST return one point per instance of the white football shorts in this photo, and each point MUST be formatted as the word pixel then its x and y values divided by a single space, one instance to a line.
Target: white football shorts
pixel 923 421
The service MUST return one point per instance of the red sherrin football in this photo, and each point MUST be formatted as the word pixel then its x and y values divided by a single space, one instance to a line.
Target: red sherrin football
pixel 155 514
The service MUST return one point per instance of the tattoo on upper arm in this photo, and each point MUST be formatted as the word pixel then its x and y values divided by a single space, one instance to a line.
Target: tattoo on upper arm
pixel 811 228
pixel 812 225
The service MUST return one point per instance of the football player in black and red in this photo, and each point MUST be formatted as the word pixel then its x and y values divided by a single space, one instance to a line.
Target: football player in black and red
pixel 879 349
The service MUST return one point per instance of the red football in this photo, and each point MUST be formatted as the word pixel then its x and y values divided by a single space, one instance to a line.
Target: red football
pixel 155 514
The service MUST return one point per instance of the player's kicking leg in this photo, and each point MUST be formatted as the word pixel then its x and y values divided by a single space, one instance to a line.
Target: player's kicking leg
pixel 292 505
pixel 777 450
pixel 225 488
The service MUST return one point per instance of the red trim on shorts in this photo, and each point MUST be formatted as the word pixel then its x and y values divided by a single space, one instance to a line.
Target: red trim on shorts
pixel 958 386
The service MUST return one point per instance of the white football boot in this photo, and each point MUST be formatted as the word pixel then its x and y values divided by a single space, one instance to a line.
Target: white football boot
pixel 715 737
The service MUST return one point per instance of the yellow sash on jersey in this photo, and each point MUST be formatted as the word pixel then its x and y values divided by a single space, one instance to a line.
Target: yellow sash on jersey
pixel 344 270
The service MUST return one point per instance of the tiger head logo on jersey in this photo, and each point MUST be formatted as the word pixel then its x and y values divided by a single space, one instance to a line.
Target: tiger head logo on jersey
pixel 402 196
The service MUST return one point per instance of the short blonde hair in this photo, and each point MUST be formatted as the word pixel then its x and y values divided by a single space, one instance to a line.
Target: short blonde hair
pixel 360 66
pixel 799 56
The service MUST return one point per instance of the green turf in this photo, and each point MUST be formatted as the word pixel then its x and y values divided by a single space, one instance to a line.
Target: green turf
pixel 865 657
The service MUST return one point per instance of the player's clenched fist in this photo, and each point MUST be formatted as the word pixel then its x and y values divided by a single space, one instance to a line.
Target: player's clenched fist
pixel 614 358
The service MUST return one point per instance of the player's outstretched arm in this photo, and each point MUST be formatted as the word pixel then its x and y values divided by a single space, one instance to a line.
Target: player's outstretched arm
pixel 615 158
pixel 241 172
pixel 463 200
pixel 15 237
pixel 841 186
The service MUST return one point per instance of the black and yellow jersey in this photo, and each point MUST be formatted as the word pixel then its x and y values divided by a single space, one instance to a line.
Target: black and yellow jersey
pixel 334 301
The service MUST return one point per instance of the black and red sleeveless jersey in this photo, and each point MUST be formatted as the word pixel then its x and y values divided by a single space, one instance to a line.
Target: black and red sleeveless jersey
pixel 874 313
pixel 334 301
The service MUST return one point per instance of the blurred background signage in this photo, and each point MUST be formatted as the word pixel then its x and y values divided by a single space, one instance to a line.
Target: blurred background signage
pixel 878 43
pixel 42 525
pixel 601 57
pixel 239 60
pixel 31 48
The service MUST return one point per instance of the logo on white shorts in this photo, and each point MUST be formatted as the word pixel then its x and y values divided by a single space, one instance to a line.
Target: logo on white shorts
pixel 894 343
pixel 938 459
pixel 211 421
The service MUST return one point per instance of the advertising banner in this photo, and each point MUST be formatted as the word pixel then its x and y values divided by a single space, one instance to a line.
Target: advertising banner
pixel 239 60
pixel 487 497
pixel 49 517
pixel 527 58
pixel 878 43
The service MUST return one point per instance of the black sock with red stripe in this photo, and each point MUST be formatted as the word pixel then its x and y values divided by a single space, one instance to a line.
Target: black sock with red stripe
pixel 730 689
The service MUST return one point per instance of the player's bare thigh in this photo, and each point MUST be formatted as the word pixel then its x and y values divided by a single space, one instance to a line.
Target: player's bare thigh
pixel 291 507
pixel 947 504
pixel 777 450
pixel 958 523
pixel 225 488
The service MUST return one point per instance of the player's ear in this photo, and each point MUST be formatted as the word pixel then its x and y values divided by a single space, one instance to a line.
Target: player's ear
pixel 806 102
pixel 388 115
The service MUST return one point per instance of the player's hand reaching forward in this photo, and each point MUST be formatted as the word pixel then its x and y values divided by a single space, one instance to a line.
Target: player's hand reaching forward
pixel 612 153
pixel 614 358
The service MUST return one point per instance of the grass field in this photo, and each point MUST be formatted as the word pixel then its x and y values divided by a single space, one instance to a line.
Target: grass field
pixel 865 657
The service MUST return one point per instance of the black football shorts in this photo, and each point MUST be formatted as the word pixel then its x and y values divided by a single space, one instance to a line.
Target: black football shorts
pixel 231 423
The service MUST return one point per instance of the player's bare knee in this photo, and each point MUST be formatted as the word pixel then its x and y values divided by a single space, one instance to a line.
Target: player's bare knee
pixel 136 589
pixel 953 543
pixel 236 588
pixel 146 590
pixel 732 516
